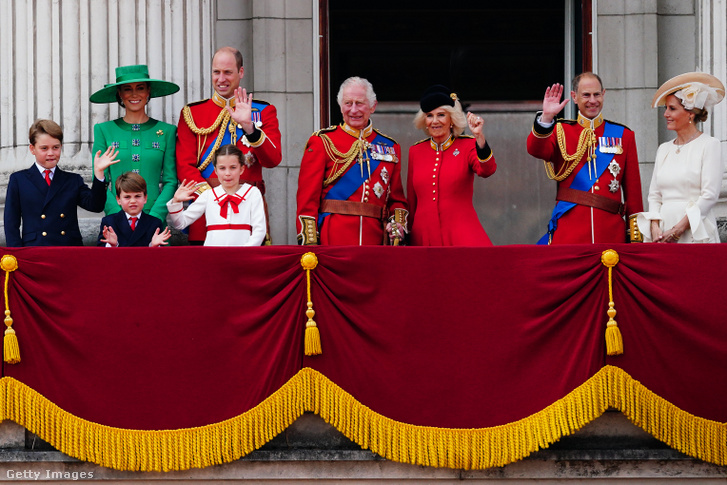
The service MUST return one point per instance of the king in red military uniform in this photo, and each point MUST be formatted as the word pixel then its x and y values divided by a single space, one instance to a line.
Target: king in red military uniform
pixel 230 116
pixel 349 187
pixel 594 162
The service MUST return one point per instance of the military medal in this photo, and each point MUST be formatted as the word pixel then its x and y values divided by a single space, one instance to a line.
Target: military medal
pixel 614 168
pixel 381 152
pixel 609 144
pixel 249 159
pixel 378 190
pixel 613 185
pixel 385 175
pixel 456 152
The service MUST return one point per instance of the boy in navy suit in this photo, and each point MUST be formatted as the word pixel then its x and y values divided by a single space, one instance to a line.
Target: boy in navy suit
pixel 130 226
pixel 45 198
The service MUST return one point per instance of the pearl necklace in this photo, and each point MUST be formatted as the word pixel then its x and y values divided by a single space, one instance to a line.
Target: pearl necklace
pixel 680 145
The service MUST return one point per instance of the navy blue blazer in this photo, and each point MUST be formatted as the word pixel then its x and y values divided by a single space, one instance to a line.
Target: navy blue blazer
pixel 48 214
pixel 141 236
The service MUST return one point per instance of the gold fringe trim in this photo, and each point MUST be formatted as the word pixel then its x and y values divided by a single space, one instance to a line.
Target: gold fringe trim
pixel 468 449
pixel 694 436
pixel 141 450
pixel 309 390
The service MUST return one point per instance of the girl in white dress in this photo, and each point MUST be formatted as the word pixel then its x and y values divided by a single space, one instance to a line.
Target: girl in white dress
pixel 688 170
pixel 234 212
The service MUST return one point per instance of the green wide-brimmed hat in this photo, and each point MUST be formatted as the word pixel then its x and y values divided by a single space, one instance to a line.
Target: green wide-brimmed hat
pixel 133 74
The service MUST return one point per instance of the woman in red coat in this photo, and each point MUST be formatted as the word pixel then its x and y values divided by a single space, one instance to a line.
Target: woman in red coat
pixel 441 173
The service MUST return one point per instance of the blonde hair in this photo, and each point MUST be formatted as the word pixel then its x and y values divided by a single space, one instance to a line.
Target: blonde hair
pixel 459 120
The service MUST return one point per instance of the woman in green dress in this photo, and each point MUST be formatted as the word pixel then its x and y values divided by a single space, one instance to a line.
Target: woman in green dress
pixel 145 145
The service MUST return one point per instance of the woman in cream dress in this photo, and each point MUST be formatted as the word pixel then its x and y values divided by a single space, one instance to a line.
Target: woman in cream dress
pixel 688 170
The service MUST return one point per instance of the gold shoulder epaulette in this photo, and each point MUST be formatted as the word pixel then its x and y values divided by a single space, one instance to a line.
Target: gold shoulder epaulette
pixel 465 136
pixel 566 121
pixel 197 102
pixel 422 141
pixel 324 130
pixel 261 101
pixel 619 124
pixel 385 136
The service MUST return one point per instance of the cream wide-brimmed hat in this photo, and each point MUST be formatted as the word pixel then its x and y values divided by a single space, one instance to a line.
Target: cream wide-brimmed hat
pixel 694 89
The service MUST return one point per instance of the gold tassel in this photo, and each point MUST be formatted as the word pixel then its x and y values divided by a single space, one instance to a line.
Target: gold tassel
pixel 312 335
pixel 614 340
pixel 11 349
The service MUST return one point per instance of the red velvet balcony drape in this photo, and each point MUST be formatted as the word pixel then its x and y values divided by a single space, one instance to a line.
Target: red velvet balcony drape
pixel 174 338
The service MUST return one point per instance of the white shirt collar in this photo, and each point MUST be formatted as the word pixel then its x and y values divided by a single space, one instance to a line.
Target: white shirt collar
pixel 129 216
pixel 43 169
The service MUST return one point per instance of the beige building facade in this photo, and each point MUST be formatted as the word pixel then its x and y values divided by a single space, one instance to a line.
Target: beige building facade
pixel 57 53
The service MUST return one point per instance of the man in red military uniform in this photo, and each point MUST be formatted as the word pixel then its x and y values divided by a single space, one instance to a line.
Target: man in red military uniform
pixel 594 162
pixel 230 116
pixel 349 187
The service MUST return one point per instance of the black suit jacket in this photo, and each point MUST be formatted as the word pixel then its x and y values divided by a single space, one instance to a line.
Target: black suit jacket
pixel 48 214
pixel 139 237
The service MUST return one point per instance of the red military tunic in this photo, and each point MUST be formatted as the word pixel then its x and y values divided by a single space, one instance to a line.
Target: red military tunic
pixel 440 188
pixel 379 192
pixel 194 157
pixel 582 223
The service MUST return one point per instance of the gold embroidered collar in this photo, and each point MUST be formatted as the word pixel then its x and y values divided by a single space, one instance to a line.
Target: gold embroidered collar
pixel 443 146
pixel 358 133
pixel 588 123
pixel 222 102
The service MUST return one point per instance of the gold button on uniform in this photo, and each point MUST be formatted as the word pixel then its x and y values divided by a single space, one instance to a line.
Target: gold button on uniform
pixel 42 216
pixel 45 233
pixel 62 216
pixel 596 188
pixel 63 233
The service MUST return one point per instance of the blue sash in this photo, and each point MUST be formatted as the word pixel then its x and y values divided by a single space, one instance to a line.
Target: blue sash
pixel 582 180
pixel 350 181
pixel 227 137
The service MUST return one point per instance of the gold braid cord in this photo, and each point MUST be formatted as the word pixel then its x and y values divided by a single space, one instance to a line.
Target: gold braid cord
pixel 586 141
pixel 221 122
pixel 614 340
pixel 11 350
pixel 309 390
pixel 356 151
pixel 312 344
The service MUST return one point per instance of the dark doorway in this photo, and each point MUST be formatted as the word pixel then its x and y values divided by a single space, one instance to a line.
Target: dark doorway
pixel 484 51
